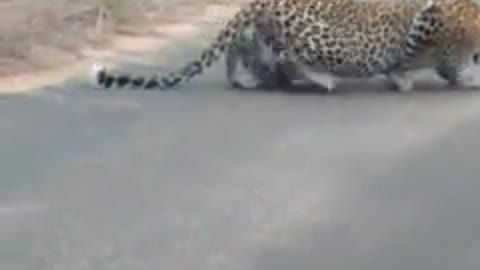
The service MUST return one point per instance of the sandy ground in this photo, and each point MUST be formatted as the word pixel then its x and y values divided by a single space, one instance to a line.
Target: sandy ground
pixel 213 178
pixel 191 22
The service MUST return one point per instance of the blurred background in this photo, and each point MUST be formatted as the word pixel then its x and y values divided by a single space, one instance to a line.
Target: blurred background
pixel 38 34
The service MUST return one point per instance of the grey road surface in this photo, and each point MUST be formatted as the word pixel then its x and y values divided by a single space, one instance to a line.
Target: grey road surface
pixel 214 178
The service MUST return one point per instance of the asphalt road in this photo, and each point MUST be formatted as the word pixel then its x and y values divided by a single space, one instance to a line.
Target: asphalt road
pixel 212 178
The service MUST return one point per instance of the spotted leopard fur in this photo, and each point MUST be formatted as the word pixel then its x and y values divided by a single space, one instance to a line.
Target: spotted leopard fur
pixel 252 62
pixel 328 39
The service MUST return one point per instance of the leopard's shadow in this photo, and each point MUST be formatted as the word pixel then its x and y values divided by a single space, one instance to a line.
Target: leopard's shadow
pixel 364 87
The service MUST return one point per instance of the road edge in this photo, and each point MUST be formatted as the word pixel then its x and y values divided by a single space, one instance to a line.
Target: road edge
pixel 31 82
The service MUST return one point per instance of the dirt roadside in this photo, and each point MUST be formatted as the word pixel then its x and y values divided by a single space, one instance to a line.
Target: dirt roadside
pixel 194 23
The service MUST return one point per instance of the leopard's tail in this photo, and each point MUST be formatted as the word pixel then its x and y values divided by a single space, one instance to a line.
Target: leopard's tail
pixel 103 78
pixel 424 28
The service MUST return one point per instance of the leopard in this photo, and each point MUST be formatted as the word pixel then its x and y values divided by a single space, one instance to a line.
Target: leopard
pixel 252 62
pixel 332 39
